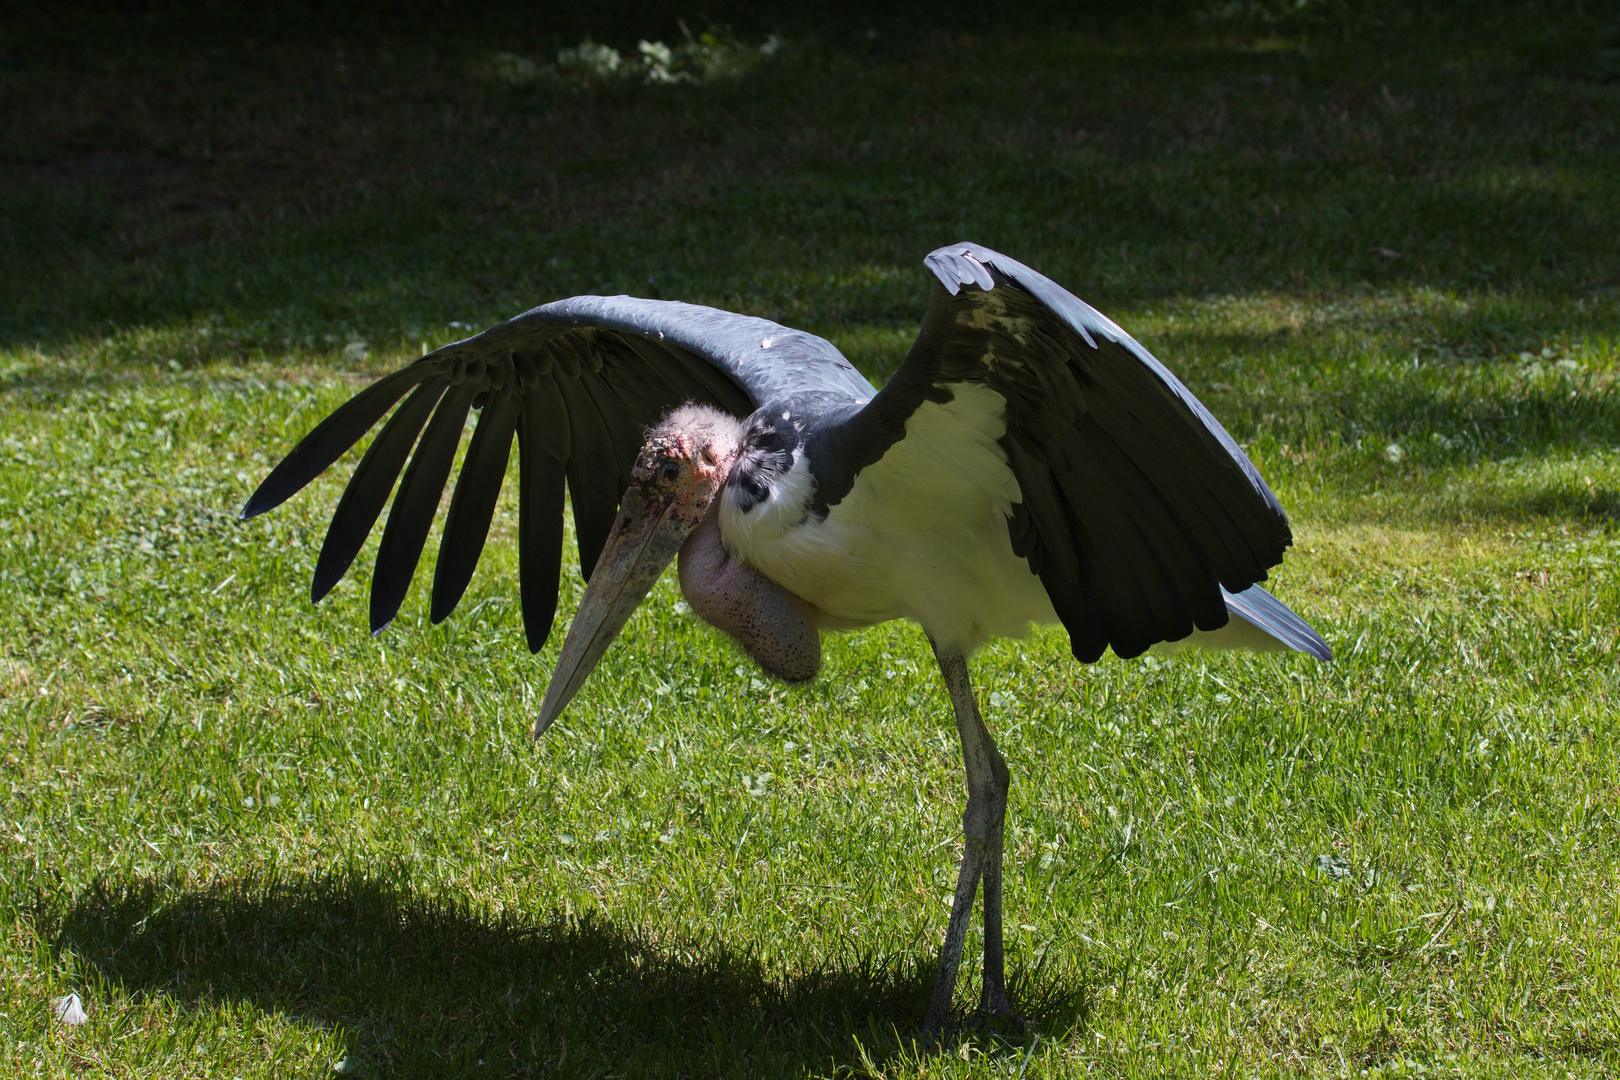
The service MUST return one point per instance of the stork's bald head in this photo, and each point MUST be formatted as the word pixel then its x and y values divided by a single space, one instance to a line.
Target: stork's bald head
pixel 686 459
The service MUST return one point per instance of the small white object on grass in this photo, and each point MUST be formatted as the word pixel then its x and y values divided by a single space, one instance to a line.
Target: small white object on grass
pixel 70 1010
pixel 1334 867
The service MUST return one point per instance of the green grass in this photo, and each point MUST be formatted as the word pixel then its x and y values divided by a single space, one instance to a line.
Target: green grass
pixel 259 842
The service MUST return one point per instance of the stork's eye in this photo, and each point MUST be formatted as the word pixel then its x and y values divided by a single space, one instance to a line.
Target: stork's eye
pixel 669 471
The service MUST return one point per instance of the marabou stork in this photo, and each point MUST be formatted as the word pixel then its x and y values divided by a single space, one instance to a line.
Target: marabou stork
pixel 1028 462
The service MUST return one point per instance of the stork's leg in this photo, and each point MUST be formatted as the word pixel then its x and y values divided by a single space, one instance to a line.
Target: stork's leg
pixel 987 781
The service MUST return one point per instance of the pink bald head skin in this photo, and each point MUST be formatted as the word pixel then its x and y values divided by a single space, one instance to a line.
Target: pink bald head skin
pixel 686 460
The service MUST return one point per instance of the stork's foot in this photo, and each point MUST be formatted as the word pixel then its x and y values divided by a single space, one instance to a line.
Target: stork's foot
pixel 935 1034
pixel 993 1008
pixel 936 1026
pixel 986 1018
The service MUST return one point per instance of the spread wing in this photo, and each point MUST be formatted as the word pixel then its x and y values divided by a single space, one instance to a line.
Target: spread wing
pixel 577 383
pixel 1135 507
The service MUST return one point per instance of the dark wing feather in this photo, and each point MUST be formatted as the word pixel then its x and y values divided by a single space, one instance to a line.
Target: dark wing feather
pixel 370 485
pixel 1138 511
pixel 594 483
pixel 617 415
pixel 472 506
pixel 580 381
pixel 330 439
pixel 707 384
pixel 412 513
pixel 544 446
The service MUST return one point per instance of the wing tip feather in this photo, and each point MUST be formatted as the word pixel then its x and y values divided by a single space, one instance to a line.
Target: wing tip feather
pixel 265 497
pixel 318 589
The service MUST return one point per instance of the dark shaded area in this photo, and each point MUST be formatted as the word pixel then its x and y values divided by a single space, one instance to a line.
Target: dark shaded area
pixel 425 986
pixel 293 173
pixel 1543 31
pixel 1594 504
pixel 617 22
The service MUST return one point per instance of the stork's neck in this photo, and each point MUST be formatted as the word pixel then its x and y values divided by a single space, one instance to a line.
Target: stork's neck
pixel 771 488
pixel 776 628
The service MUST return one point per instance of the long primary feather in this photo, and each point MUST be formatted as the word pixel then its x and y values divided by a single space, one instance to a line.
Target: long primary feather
pixel 330 438
pixel 473 504
pixel 411 516
pixel 368 488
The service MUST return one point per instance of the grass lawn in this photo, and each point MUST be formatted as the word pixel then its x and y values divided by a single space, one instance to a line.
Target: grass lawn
pixel 258 842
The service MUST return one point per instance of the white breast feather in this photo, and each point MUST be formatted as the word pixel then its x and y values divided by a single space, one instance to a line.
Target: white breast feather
pixel 921 535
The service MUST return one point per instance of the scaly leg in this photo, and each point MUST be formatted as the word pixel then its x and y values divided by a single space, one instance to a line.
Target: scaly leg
pixel 987 781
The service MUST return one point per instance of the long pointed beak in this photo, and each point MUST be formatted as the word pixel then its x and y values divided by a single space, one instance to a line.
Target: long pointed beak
pixel 644 539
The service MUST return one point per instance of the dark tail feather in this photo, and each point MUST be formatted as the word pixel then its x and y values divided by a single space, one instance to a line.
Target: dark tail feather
pixel 1274 617
pixel 331 438
pixel 473 505
pixel 368 488
pixel 418 500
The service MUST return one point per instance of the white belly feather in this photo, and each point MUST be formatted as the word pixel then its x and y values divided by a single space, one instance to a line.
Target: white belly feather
pixel 921 535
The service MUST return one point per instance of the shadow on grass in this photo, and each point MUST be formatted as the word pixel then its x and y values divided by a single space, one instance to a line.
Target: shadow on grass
pixel 425 985
pixel 1596 505
pixel 1539 506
